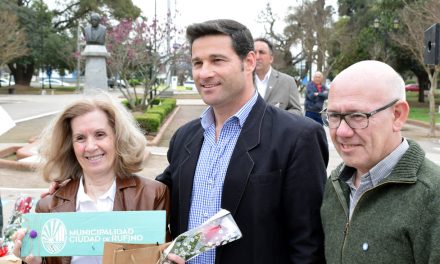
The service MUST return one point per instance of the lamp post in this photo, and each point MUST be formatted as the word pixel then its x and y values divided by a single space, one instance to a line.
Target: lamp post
pixel 150 70
pixel 384 31
pixel 176 46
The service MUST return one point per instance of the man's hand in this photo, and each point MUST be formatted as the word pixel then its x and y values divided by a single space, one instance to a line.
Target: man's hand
pixel 17 248
pixel 176 259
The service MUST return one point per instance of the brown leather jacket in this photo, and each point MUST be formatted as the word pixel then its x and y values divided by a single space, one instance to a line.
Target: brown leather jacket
pixel 133 194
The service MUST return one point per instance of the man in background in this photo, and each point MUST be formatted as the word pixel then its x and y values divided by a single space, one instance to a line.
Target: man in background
pixel 275 87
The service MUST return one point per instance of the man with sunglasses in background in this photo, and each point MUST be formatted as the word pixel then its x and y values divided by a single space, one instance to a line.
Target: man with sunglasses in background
pixel 382 204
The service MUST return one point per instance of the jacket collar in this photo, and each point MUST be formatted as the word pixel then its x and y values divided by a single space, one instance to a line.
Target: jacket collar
pixel 404 171
pixel 273 79
pixel 239 169
pixel 242 162
pixel 68 193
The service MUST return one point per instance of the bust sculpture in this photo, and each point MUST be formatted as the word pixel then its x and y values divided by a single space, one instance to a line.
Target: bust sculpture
pixel 95 32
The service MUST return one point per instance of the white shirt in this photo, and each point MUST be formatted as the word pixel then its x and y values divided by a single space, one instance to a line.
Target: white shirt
pixel 262 84
pixel 85 204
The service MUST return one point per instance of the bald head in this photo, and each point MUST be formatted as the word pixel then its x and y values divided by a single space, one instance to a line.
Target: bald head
pixel 374 77
pixel 376 91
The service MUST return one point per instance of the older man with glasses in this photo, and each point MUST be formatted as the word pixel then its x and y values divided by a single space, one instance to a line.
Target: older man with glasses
pixel 382 204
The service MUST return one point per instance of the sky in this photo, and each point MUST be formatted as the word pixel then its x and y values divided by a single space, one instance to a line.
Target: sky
pixel 243 11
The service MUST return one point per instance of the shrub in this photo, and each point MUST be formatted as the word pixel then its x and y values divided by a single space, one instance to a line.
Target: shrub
pixel 137 101
pixel 153 117
pixel 134 82
pixel 169 101
pixel 158 109
pixel 168 108
pixel 156 101
pixel 149 122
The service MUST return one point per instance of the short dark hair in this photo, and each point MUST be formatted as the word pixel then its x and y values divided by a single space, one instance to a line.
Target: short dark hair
pixel 242 41
pixel 265 40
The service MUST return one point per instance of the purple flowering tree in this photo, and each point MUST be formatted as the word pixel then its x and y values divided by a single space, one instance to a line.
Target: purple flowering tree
pixel 139 48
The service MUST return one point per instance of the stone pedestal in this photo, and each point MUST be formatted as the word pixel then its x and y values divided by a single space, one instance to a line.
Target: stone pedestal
pixel 96 70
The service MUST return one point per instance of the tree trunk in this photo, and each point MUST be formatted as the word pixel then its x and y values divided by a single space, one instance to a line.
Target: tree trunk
pixel 424 82
pixel 431 98
pixel 320 39
pixel 22 73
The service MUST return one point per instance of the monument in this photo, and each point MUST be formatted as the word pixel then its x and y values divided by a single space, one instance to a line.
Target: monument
pixel 95 55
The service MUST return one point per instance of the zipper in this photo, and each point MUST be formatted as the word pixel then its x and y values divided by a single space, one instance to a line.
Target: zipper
pixel 347 224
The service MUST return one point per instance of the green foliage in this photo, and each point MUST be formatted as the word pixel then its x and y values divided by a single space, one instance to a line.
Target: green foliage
pixel 158 109
pixel 134 82
pixel 149 122
pixel 155 101
pixel 151 119
pixel 137 101
pixel 63 88
pixel 47 45
pixel 422 114
pixel 420 111
pixel 51 34
pixel 169 101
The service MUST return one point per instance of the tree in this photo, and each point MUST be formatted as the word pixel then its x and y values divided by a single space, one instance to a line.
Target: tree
pixel 13 38
pixel 137 48
pixel 284 59
pixel 416 18
pixel 48 31
pixel 308 27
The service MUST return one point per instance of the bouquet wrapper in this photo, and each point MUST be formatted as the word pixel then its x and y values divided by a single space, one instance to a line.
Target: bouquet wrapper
pixel 124 253
pixel 23 205
pixel 218 230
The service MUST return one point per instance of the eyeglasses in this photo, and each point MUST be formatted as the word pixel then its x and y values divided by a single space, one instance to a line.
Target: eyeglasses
pixel 356 120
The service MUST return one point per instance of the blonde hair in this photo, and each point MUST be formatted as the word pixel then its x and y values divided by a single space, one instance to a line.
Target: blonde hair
pixel 58 157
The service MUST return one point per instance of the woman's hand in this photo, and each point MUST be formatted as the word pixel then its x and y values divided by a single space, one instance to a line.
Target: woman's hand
pixel 17 248
pixel 176 259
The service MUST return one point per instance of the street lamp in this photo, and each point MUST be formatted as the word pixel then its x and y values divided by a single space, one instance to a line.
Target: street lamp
pixel 376 23
pixel 176 46
pixel 384 31
pixel 396 24
pixel 174 77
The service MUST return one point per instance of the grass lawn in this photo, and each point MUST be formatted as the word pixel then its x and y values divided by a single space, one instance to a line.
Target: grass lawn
pixel 19 89
pixel 420 111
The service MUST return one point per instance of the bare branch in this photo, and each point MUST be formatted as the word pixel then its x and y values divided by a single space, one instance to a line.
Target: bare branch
pixel 13 38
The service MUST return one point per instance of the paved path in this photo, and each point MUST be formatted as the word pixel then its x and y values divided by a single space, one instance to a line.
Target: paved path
pixel 13 182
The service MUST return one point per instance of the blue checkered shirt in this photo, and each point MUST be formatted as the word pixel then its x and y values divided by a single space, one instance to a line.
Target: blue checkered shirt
pixel 211 169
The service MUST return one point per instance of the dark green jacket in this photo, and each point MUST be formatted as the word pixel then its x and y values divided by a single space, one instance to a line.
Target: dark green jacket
pixel 398 221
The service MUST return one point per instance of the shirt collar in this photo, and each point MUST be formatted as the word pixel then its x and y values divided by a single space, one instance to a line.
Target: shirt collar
pixel 382 169
pixel 207 118
pixel 266 77
pixel 83 197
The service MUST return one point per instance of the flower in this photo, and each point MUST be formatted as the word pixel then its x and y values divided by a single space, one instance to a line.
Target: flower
pixel 216 231
pixel 23 205
pixel 3 251
pixel 211 232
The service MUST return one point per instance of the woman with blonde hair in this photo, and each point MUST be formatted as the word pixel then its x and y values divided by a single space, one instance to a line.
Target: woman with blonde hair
pixel 94 147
